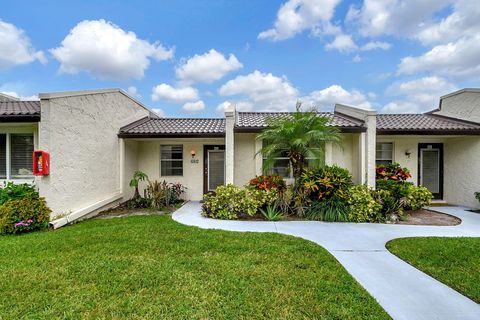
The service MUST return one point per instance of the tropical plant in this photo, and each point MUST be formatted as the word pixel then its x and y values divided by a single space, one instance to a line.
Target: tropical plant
pixel 477 195
pixel 163 194
pixel 363 207
pixel 333 209
pixel 391 206
pixel 392 171
pixel 265 182
pixel 418 197
pixel 137 177
pixel 325 182
pixel 229 202
pixel 271 213
pixel 285 200
pixel 24 215
pixel 301 137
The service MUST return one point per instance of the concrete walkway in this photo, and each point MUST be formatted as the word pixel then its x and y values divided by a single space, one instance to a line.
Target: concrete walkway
pixel 402 290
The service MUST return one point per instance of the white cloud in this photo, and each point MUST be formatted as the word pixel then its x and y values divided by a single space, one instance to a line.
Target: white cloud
pixel 180 95
pixel 264 91
pixel 194 106
pixel 342 43
pixel 239 106
pixel 104 50
pixel 357 59
pixel 296 16
pixel 159 112
pixel 417 95
pixel 206 68
pixel 463 21
pixel 328 97
pixel 460 58
pixel 133 91
pixel 372 45
pixel 21 97
pixel 15 47
pixel 394 17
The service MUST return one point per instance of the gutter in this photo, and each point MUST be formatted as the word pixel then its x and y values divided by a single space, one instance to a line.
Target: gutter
pixel 84 211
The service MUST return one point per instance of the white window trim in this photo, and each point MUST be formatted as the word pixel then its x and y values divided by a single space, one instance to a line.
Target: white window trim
pixel 393 151
pixel 8 160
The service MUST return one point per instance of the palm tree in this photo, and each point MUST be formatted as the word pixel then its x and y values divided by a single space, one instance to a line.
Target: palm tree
pixel 137 177
pixel 301 137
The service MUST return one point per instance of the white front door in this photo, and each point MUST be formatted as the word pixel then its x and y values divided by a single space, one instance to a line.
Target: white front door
pixel 215 169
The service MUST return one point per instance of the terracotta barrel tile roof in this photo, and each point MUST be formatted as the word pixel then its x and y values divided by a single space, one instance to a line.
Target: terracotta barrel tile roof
pixel 172 126
pixel 422 122
pixel 259 119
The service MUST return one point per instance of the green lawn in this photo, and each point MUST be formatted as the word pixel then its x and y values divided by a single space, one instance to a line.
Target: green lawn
pixel 453 261
pixel 152 267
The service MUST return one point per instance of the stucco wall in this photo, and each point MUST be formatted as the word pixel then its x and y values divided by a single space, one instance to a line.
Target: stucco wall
pixel 464 105
pixel 245 167
pixel 462 167
pixel 149 162
pixel 346 155
pixel 130 166
pixel 80 133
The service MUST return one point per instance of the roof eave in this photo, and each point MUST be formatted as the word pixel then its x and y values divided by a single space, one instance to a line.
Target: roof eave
pixel 126 135
pixel 19 118
pixel 259 129
pixel 440 132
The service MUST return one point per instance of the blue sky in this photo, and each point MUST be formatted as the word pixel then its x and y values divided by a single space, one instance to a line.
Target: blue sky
pixel 193 58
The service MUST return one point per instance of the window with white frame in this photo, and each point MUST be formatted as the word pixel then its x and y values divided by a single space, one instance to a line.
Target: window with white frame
pixel 16 156
pixel 384 153
pixel 171 160
pixel 281 165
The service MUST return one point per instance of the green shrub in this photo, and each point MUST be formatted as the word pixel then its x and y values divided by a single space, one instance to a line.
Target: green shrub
pixel 24 215
pixel 325 182
pixel 477 195
pixel 264 198
pixel 163 194
pixel 333 209
pixel 399 189
pixel 13 191
pixel 392 171
pixel 390 205
pixel 418 197
pixel 230 202
pixel 363 207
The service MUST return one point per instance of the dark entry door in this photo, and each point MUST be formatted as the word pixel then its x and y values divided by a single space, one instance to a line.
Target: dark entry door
pixel 430 168
pixel 213 167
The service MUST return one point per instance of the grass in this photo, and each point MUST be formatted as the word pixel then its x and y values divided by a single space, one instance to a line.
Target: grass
pixel 453 261
pixel 150 267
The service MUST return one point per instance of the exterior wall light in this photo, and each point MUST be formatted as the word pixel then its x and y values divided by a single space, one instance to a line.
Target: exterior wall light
pixel 408 153
pixel 193 153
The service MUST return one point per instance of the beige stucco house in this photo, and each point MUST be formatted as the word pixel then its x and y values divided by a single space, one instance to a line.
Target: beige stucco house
pixel 97 139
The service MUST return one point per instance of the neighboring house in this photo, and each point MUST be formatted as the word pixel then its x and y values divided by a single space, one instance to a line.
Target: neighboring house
pixel 97 139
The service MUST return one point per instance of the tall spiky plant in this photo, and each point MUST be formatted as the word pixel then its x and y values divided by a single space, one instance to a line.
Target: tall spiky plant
pixel 301 137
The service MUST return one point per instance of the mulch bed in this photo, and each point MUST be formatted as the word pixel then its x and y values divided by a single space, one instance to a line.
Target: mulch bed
pixel 426 217
pixel 122 211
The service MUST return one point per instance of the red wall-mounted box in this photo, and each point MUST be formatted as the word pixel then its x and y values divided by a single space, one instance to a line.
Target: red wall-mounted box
pixel 41 163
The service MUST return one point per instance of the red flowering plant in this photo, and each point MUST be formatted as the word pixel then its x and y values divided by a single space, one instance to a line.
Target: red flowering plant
pixel 268 182
pixel 392 171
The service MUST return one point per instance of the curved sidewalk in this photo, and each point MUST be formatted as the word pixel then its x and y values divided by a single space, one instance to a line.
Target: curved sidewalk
pixel 402 290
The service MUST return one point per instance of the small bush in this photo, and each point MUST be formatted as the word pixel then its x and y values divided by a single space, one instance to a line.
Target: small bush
pixel 24 215
pixel 393 172
pixel 326 182
pixel 398 188
pixel 229 202
pixel 163 194
pixel 363 207
pixel 391 206
pixel 477 195
pixel 418 197
pixel 268 182
pixel 333 209
pixel 271 213
pixel 13 191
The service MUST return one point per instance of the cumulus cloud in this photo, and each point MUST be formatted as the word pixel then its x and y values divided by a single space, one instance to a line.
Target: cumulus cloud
pixel 106 51
pixel 160 112
pixel 263 90
pixel 207 68
pixel 194 106
pixel 372 45
pixel 417 95
pixel 239 106
pixel 133 91
pixel 16 48
pixel 342 43
pixel 393 17
pixel 328 97
pixel 296 16
pixel 21 97
pixel 180 95
pixel 460 58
